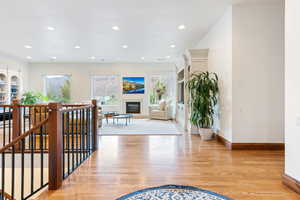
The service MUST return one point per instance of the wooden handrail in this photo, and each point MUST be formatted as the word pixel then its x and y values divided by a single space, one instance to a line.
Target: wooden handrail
pixel 76 108
pixel 24 105
pixel 43 105
pixel 75 105
pixel 6 196
pixel 6 105
pixel 17 139
pixel 33 105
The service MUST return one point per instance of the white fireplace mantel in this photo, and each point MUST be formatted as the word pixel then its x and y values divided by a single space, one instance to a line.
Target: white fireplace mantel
pixel 133 100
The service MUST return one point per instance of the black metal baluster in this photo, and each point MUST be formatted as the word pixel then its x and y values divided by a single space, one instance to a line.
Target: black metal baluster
pixel 81 130
pixel 32 161
pixel 45 129
pixel 63 141
pixel 77 121
pixel 89 130
pixel 13 172
pixel 23 112
pixel 68 139
pixel 34 124
pixel 84 135
pixel 4 135
pixel 42 155
pixel 88 134
pixel 72 140
pixel 91 137
pixel 41 128
pixel 3 175
pixel 29 126
pixel 22 168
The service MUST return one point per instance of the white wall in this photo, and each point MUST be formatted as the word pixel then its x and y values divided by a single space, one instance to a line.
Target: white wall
pixel 246 50
pixel 81 76
pixel 219 42
pixel 292 85
pixel 258 72
pixel 14 64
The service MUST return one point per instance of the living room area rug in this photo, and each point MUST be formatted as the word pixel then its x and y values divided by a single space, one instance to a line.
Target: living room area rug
pixel 140 127
pixel 173 192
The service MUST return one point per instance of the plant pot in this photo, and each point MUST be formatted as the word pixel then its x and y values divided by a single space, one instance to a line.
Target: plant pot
pixel 206 133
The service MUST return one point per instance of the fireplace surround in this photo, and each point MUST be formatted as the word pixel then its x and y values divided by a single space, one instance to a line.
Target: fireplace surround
pixel 133 107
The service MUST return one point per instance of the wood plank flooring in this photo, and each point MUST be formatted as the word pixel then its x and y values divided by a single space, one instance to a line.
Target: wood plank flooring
pixel 124 164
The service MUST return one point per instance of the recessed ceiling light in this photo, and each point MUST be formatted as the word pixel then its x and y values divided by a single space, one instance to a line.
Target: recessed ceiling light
pixel 168 57
pixel 115 28
pixel 143 58
pixel 172 45
pixel 53 58
pixel 28 46
pixel 124 46
pixel 92 57
pixel 50 28
pixel 29 57
pixel 181 27
pixel 77 47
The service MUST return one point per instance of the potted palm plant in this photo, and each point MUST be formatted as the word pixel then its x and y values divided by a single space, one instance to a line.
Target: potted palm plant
pixel 204 91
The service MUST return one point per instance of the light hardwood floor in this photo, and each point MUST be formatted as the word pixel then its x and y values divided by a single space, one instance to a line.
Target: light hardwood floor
pixel 124 164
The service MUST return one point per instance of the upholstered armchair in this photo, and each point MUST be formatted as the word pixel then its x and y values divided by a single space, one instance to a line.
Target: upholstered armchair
pixel 160 111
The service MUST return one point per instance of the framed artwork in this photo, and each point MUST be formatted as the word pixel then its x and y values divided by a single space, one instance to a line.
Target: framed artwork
pixel 133 85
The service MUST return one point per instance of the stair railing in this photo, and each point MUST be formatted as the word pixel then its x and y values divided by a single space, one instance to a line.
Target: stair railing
pixel 56 140
pixel 17 180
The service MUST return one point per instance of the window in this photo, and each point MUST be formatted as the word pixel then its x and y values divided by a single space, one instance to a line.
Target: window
pixel 58 88
pixel 153 96
pixel 162 87
pixel 106 89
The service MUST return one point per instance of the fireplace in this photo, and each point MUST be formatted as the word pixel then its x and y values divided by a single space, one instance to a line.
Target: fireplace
pixel 133 107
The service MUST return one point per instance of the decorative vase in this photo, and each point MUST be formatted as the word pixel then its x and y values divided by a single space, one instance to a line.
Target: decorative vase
pixel 206 133
pixel 159 94
pixel 159 97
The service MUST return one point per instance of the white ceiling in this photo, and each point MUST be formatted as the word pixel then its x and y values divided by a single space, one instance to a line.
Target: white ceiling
pixel 148 27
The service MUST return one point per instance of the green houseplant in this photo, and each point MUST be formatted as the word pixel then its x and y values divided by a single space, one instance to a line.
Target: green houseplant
pixel 204 91
pixel 30 97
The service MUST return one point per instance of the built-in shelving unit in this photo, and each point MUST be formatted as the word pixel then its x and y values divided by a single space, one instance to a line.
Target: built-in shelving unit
pixel 10 85
pixel 180 87
pixel 3 88
pixel 14 87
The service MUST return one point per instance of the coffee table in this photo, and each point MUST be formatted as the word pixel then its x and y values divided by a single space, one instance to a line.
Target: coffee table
pixel 109 114
pixel 127 118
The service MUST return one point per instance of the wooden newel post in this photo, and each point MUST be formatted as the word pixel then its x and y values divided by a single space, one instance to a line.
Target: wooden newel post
pixel 95 124
pixel 55 146
pixel 16 118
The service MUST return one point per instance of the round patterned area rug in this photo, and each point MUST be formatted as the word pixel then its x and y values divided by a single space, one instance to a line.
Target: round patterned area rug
pixel 173 192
